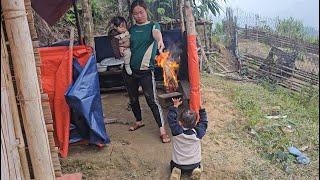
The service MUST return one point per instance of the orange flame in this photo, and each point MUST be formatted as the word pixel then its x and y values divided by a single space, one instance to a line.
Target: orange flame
pixel 169 67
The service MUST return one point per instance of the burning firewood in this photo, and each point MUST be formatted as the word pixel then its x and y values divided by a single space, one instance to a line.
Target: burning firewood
pixel 170 68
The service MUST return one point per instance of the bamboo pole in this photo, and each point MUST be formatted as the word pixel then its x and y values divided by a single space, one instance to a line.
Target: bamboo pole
pixel 76 14
pixel 210 36
pixel 5 68
pixel 28 88
pixel 10 159
pixel 71 51
pixel 205 36
pixel 10 162
pixel 203 55
pixel 88 25
pixel 183 28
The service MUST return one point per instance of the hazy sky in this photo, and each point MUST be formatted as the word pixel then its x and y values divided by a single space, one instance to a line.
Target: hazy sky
pixel 304 10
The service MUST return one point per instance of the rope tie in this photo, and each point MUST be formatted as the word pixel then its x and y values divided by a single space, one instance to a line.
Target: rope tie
pixel 21 99
pixel 6 13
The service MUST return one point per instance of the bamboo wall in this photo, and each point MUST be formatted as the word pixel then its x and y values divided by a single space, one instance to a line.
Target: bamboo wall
pixel 10 160
pixel 15 157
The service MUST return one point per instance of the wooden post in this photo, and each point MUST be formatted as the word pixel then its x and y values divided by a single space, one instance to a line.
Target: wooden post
pixel 88 23
pixel 120 7
pixel 75 9
pixel 193 59
pixel 28 88
pixel 182 17
pixel 130 14
pixel 210 37
pixel 71 51
pixel 246 32
pixel 190 23
pixel 205 36
pixel 5 68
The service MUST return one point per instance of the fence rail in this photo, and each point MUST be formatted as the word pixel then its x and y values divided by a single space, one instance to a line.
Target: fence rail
pixel 277 40
pixel 294 79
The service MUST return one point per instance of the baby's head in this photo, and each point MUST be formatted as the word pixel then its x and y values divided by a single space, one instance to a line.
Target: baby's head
pixel 188 119
pixel 119 23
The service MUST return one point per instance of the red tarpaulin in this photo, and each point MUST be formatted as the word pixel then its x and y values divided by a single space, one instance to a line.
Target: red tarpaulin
pixel 194 74
pixel 56 77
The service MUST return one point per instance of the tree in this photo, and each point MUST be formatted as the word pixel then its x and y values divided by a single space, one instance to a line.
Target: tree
pixel 88 26
pixel 169 9
pixel 290 28
pixel 205 6
pixel 162 9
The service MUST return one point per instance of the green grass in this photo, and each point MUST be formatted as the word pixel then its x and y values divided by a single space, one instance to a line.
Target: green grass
pixel 255 101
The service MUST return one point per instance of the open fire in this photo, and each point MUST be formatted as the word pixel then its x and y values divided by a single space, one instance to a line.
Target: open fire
pixel 170 68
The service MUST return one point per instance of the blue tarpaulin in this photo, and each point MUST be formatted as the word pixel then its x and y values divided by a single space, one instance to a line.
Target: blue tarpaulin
pixel 84 100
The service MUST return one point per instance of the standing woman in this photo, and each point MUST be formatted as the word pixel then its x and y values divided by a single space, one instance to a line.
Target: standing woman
pixel 145 39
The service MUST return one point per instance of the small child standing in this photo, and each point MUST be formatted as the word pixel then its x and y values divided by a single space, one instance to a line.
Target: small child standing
pixel 186 141
pixel 120 41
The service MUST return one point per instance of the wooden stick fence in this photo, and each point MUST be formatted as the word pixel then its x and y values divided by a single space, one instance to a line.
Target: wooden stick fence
pixel 277 40
pixel 294 79
pixel 301 74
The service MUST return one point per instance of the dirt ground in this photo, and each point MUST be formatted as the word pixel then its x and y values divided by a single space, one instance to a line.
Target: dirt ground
pixel 141 155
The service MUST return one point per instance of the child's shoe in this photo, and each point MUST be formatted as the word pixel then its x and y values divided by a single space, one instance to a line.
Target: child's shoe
pixel 196 174
pixel 175 174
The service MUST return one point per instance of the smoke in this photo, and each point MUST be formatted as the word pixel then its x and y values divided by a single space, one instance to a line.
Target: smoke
pixel 175 49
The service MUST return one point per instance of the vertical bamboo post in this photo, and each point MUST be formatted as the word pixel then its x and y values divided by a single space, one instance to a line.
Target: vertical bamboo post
pixel 71 51
pixel 182 17
pixel 88 25
pixel 76 14
pixel 13 105
pixel 210 36
pixel 28 88
pixel 246 32
pixel 11 167
pixel 205 36
pixel 10 161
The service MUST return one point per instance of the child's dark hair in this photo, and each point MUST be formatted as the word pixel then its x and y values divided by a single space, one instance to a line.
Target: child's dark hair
pixel 138 3
pixel 118 20
pixel 188 119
